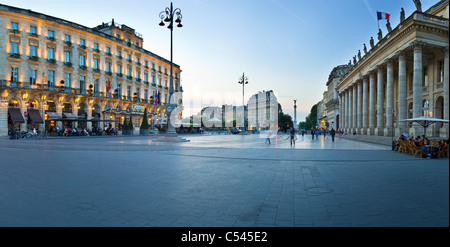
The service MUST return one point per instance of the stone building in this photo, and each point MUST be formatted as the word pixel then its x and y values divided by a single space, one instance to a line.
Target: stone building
pixel 55 73
pixel 262 110
pixel 332 102
pixel 405 75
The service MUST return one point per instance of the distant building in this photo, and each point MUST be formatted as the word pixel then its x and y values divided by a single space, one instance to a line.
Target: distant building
pixel 262 109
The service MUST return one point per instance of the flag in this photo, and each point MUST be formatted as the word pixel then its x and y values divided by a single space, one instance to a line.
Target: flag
pixel 156 97
pixel 383 16
pixel 108 86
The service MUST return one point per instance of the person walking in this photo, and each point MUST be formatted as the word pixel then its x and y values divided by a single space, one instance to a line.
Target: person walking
pixel 332 133
pixel 312 133
pixel 292 134
pixel 317 134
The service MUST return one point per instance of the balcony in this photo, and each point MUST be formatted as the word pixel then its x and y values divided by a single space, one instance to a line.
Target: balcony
pixel 67 43
pixel 68 64
pixel 83 67
pixel 15 56
pixel 34 58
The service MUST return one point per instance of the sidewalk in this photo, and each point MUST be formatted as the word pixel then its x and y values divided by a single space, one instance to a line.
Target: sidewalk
pixel 381 140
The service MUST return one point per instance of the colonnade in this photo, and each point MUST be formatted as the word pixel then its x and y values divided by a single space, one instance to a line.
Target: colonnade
pixel 368 104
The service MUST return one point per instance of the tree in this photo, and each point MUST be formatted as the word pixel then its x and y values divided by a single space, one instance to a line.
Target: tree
pixel 144 124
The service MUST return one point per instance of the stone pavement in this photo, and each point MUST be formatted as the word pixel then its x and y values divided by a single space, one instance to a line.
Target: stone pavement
pixel 218 180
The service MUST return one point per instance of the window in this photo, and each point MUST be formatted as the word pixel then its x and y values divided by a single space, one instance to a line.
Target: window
pixel 119 53
pixel 14 74
pixel 128 71
pixel 67 79
pixel 146 63
pixel 119 89
pixel 159 81
pixel 165 83
pixel 146 77
pixel 145 94
pixel 82 84
pixel 33 51
pixel 14 26
pixel 138 74
pixel 96 47
pixel 96 63
pixel 138 92
pixel 108 50
pixel 82 42
pixel 153 78
pixel 129 92
pixel 138 60
pixel 108 67
pixel 67 56
pixel 33 74
pixel 441 71
pixel 119 69
pixel 82 60
pixel 425 77
pixel 50 53
pixel 51 34
pixel 129 57
pixel 33 30
pixel 14 48
pixel 95 86
pixel 67 38
pixel 118 36
pixel 51 79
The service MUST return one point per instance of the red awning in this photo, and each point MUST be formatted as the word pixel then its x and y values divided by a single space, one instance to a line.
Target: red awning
pixel 35 116
pixel 16 115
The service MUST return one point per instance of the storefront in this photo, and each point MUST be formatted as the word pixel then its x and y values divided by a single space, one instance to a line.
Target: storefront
pixel 15 117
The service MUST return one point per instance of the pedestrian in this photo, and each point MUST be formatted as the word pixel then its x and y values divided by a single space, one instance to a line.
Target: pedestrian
pixel 317 134
pixel 292 134
pixel 332 133
pixel 303 133
pixel 312 133
pixel 268 137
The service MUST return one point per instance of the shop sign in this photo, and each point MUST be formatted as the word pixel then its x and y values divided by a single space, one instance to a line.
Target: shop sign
pixel 137 108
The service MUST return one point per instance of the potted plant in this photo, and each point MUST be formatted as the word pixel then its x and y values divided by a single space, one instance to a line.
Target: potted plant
pixel 125 127
pixel 130 127
pixel 144 125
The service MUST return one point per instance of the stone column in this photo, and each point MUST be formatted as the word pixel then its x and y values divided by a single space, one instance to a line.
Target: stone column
pixel 388 131
pixel 372 101
pixel 89 116
pixel 3 119
pixel 346 109
pixel 444 131
pixel 365 112
pixel 354 109
pixel 341 111
pixel 350 109
pixel 417 89
pixel 359 107
pixel 380 98
pixel 402 109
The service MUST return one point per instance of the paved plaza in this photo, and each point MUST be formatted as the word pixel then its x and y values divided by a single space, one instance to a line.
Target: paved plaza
pixel 218 180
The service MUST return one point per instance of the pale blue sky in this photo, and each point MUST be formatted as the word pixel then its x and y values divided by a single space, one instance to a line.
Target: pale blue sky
pixel 289 46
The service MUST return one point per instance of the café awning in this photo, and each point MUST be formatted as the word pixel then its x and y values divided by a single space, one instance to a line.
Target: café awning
pixel 69 116
pixel 16 115
pixel 53 115
pixel 35 116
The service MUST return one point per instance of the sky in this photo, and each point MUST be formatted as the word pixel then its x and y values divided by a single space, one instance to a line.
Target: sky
pixel 288 46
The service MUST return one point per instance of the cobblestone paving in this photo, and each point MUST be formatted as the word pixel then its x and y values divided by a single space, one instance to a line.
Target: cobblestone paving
pixel 218 180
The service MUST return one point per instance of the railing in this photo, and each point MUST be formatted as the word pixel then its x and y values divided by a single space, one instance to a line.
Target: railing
pixel 435 19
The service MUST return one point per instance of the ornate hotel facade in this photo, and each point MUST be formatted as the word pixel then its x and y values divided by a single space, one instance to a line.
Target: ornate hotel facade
pixel 405 75
pixel 55 73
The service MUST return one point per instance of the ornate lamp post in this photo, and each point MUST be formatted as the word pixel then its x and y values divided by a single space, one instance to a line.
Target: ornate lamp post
pixel 168 15
pixel 243 80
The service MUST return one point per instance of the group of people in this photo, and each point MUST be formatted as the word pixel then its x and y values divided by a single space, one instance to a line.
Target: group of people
pixel 423 145
pixel 69 131
pixel 313 132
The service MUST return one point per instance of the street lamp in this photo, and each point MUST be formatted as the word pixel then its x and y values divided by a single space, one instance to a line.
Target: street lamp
pixel 168 15
pixel 243 80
